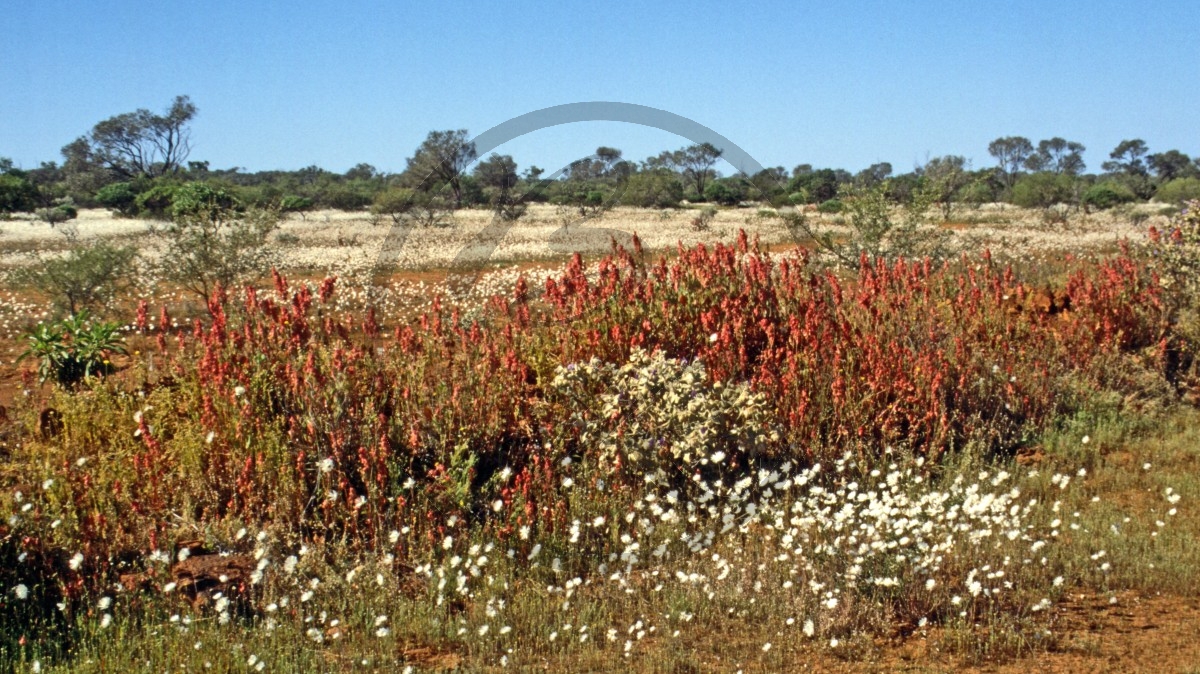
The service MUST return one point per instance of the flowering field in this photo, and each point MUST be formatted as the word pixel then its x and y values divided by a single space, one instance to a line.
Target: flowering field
pixel 716 458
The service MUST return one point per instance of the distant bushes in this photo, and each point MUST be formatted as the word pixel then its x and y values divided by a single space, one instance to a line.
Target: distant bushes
pixel 727 191
pixel 17 193
pixel 650 187
pixel 121 198
pixel 295 204
pixel 344 197
pixel 156 201
pixel 830 206
pixel 1043 190
pixel 1178 191
pixel 1107 194
pixel 60 212
pixel 165 199
pixel 653 189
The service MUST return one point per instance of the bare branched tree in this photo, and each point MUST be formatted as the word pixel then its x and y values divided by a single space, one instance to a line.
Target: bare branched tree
pixel 138 143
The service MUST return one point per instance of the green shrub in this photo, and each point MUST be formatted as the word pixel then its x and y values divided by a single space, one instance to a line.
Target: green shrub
pixel 505 205
pixel 977 192
pixel 1107 194
pixel 260 196
pixel 876 231
pixel 408 206
pixel 781 200
pixel 1177 191
pixel 394 202
pixel 653 189
pixel 762 217
pixel 345 198
pixel 57 214
pixel 830 206
pixel 157 201
pixel 17 193
pixel 85 279
pixel 213 243
pixel 119 197
pixel 726 191
pixel 295 204
pixel 74 349
pixel 703 221
pixel 203 201
pixel 579 199
pixel 1043 190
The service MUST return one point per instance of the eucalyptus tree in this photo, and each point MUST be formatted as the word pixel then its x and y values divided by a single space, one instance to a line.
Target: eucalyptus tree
pixel 1058 156
pixel 1011 153
pixel 440 161
pixel 138 143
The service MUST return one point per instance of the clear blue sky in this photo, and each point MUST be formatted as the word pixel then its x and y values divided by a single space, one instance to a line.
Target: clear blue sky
pixel 285 85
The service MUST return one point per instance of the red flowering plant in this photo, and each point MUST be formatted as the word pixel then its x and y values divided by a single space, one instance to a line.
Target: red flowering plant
pixel 282 411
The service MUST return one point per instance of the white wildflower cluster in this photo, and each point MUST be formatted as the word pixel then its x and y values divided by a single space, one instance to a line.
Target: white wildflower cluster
pixel 825 538
pixel 654 409
pixel 832 533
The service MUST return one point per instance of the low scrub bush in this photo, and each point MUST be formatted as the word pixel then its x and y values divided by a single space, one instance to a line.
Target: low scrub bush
pixel 408 207
pixel 703 220
pixel 156 201
pixel 86 278
pixel 727 191
pixel 1107 194
pixel 880 227
pixel 57 214
pixel 1043 190
pixel 296 204
pixel 1178 191
pixel 213 242
pixel 653 189
pixel 830 206
pixel 121 198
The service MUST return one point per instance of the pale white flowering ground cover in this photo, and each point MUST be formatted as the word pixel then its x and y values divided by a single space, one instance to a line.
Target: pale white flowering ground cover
pixel 328 238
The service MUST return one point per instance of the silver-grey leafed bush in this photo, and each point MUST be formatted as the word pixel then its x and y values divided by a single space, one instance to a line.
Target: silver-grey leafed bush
pixel 654 413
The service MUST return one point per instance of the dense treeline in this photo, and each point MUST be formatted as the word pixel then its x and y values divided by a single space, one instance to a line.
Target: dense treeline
pixel 135 163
